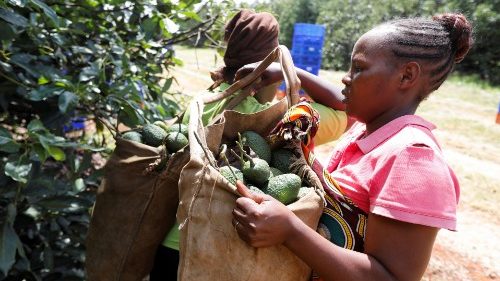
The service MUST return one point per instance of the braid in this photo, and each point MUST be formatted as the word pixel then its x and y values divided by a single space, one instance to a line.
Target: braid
pixel 439 43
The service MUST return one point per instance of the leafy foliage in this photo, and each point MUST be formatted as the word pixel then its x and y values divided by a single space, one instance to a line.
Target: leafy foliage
pixel 70 71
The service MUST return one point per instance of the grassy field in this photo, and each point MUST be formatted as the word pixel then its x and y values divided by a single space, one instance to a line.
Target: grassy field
pixel 464 113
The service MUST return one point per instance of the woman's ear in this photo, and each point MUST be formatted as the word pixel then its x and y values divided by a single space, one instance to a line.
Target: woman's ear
pixel 410 74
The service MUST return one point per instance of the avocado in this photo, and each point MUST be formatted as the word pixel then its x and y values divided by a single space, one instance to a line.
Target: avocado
pixel 258 144
pixel 284 188
pixel 162 125
pixel 226 173
pixel 175 141
pixel 281 159
pixel 303 191
pixel 179 128
pixel 153 135
pixel 256 171
pixel 275 172
pixel 255 189
pixel 132 136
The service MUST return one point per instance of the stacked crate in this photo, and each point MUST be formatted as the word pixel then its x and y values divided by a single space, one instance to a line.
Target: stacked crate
pixel 307 45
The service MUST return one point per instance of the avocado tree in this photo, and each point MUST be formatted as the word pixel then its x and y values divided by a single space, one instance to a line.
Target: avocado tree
pixel 70 71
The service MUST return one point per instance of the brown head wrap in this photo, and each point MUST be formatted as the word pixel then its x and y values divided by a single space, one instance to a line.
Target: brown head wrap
pixel 250 38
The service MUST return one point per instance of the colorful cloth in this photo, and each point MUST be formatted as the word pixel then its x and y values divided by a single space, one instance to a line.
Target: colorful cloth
pixel 300 122
pixel 342 222
pixel 398 172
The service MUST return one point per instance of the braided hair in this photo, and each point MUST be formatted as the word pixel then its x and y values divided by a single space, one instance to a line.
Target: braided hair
pixel 439 43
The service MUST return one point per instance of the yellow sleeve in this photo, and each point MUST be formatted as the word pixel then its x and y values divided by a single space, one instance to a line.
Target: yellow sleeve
pixel 332 124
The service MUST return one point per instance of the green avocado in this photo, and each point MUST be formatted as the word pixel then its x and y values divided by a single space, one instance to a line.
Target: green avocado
pixel 284 188
pixel 132 136
pixel 153 135
pixel 175 141
pixel 257 172
pixel 258 144
pixel 226 173
pixel 281 159
pixel 179 128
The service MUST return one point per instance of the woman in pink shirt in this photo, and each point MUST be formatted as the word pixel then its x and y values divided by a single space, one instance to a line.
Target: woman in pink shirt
pixel 388 165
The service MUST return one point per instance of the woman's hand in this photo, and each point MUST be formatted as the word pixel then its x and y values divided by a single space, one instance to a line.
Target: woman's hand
pixel 260 220
pixel 271 75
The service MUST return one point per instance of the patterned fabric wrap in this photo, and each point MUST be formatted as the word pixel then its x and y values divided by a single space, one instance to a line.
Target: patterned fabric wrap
pixel 342 222
pixel 300 122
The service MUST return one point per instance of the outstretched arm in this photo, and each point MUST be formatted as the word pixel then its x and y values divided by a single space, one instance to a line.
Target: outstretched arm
pixel 319 89
pixel 394 250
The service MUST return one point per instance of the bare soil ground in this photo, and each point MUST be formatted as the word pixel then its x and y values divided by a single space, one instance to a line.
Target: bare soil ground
pixel 465 117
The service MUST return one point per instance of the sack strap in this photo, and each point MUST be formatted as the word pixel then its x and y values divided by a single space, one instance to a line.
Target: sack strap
pixel 292 81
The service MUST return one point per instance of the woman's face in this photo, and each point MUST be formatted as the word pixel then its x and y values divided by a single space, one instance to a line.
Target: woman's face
pixel 371 83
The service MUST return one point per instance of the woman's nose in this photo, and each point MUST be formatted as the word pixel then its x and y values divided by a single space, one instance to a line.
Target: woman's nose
pixel 346 80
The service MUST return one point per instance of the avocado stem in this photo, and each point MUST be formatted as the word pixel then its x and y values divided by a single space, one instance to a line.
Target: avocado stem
pixel 224 157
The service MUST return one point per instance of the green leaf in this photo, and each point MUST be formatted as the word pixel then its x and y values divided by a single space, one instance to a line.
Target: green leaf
pixel 7 144
pixel 63 203
pixel 18 172
pixel 8 32
pixel 66 99
pixel 167 85
pixel 43 93
pixel 8 240
pixel 43 80
pixel 35 126
pixel 192 15
pixel 48 11
pixel 40 150
pixel 79 185
pixel 13 18
pixel 57 153
pixel 169 26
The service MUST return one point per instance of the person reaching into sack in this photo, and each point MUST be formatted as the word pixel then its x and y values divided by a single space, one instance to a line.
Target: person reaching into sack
pixel 250 37
pixel 388 166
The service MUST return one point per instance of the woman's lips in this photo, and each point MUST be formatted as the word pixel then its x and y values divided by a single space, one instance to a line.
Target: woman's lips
pixel 345 93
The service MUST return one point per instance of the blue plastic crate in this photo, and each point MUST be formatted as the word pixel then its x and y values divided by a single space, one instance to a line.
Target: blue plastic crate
pixel 308 29
pixel 311 68
pixel 306 59
pixel 76 124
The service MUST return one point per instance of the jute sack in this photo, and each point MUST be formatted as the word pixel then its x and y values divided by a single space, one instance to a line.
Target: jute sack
pixel 210 249
pixel 134 209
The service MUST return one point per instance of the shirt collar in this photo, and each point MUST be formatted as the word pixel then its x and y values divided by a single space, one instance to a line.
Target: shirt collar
pixel 374 139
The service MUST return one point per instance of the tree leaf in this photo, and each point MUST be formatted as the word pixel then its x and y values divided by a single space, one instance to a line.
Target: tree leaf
pixel 169 25
pixel 7 144
pixel 8 33
pixel 18 172
pixel 36 125
pixel 43 92
pixel 57 153
pixel 66 99
pixel 64 203
pixel 13 18
pixel 8 240
pixel 192 15
pixel 48 11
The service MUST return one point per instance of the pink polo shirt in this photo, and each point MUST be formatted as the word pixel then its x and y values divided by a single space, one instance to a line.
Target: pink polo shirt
pixel 399 172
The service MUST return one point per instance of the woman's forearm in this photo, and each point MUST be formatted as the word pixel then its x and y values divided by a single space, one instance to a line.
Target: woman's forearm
pixel 320 90
pixel 330 261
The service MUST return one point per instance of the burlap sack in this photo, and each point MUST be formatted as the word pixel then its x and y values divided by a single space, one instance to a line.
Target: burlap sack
pixel 133 211
pixel 210 249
